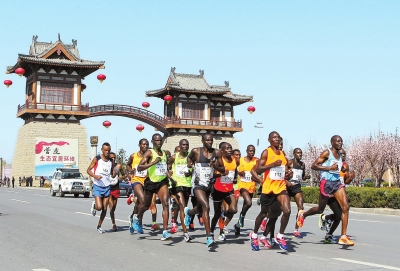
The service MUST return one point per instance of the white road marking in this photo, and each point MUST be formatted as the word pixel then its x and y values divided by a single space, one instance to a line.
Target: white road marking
pixel 40 269
pixel 120 220
pixel 20 200
pixel 372 221
pixel 367 264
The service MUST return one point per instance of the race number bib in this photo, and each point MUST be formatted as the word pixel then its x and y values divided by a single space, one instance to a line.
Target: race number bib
pixel 247 177
pixel 341 180
pixel 204 173
pixel 277 173
pixel 297 174
pixel 140 174
pixel 228 179
pixel 161 169
pixel 339 164
pixel 181 170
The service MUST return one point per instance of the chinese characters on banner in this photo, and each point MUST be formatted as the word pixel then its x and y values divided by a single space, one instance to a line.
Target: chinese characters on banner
pixel 51 153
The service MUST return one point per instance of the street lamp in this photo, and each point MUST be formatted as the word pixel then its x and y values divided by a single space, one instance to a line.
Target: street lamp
pixel 258 126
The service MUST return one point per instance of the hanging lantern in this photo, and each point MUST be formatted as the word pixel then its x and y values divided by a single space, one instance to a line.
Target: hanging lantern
pixel 101 77
pixel 7 82
pixel 20 71
pixel 145 104
pixel 83 87
pixel 251 109
pixel 140 128
pixel 167 98
pixel 107 123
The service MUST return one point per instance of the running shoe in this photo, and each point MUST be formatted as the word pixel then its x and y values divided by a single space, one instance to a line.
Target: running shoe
pixel 136 224
pixel 140 229
pixel 131 230
pixel 328 225
pixel 114 228
pixel 100 230
pixel 225 231
pixel 130 199
pixel 221 224
pixel 187 237
pixel 282 243
pixel 321 222
pixel 174 228
pixel 155 227
pixel 263 225
pixel 345 240
pixel 166 236
pixel 201 221
pixel 187 216
pixel 210 242
pixel 254 242
pixel 300 219
pixel 329 239
pixel 92 209
pixel 273 242
pixel 191 227
pixel 222 237
pixel 241 221
pixel 237 230
pixel 265 242
pixel 297 234
pixel 258 201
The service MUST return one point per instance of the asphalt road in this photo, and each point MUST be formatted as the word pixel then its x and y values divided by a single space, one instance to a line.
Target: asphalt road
pixel 40 232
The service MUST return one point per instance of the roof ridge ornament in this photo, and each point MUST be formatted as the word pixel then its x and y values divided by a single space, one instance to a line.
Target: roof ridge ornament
pixel 227 84
pixel 74 43
pixel 173 69
pixel 34 39
pixel 201 73
pixel 59 39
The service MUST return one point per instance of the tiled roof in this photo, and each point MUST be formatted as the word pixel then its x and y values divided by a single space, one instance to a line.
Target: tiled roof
pixel 63 62
pixel 233 97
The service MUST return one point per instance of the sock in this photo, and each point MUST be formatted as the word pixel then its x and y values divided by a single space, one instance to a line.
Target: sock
pixel 280 236
pixel 254 235
pixel 153 223
pixel 323 217
pixel 263 236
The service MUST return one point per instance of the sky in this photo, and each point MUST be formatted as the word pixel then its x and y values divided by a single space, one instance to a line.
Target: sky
pixel 314 68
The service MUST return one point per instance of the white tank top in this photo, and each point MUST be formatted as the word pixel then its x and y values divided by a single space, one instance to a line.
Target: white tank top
pixel 102 168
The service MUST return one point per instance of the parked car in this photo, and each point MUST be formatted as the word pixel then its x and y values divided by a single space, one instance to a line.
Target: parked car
pixel 125 188
pixel 69 181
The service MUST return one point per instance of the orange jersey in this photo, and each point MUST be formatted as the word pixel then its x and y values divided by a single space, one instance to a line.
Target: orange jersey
pixel 246 182
pixel 225 183
pixel 274 178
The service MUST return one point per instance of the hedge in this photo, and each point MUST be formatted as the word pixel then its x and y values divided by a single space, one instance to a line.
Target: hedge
pixel 361 197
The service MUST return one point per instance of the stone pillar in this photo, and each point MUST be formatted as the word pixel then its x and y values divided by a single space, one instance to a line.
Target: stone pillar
pixel 93 143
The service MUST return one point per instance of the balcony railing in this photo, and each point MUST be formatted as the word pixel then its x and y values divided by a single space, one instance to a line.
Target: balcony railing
pixel 218 123
pixel 47 106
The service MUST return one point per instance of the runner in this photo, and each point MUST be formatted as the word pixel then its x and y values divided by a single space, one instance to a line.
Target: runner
pixel 329 163
pixel 173 197
pixel 223 190
pixel 294 185
pixel 114 189
pixel 100 169
pixel 204 162
pixel 246 184
pixel 155 161
pixel 181 184
pixel 273 162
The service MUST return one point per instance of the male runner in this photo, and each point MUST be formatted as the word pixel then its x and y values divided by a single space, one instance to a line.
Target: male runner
pixel 329 163
pixel 100 169
pixel 155 161
pixel 114 189
pixel 294 185
pixel 181 181
pixel 203 160
pixel 273 164
pixel 246 184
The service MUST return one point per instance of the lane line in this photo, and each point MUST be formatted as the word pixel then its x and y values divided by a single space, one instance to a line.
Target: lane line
pixel 120 220
pixel 40 269
pixel 363 220
pixel 367 264
pixel 20 200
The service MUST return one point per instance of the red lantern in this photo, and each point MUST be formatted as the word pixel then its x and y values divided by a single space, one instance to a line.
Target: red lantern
pixel 251 109
pixel 145 104
pixel 20 71
pixel 107 123
pixel 83 87
pixel 140 128
pixel 7 82
pixel 101 77
pixel 167 98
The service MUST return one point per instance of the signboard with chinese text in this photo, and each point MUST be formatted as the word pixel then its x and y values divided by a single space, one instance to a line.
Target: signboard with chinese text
pixel 6 171
pixel 51 153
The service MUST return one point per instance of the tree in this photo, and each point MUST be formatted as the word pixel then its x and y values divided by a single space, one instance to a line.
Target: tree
pixel 122 158
pixel 357 160
pixel 393 159
pixel 310 154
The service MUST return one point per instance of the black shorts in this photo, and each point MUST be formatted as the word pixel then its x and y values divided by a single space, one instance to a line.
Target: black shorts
pixel 151 188
pixel 219 196
pixel 293 190
pixel 268 199
pixel 206 189
pixel 186 191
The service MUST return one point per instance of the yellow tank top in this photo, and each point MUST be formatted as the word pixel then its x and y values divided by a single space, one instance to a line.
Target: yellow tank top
pixel 139 176
pixel 246 182
pixel 274 178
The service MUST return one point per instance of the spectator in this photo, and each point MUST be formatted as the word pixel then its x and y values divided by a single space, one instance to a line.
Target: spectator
pixel 20 180
pixel 31 181
pixel 13 181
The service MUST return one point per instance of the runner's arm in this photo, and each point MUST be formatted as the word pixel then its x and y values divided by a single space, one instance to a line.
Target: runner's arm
pixel 143 165
pixel 324 156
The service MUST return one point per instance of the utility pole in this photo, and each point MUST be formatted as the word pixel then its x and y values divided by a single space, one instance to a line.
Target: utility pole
pixel 258 126
pixel 1 168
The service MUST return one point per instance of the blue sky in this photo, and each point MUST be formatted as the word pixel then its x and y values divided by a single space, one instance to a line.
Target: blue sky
pixel 315 68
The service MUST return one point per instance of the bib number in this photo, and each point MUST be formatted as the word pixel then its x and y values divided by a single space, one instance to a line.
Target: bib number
pixel 228 179
pixel 247 177
pixel 339 164
pixel 297 174
pixel 140 174
pixel 277 173
pixel 204 174
pixel 181 170
pixel 161 169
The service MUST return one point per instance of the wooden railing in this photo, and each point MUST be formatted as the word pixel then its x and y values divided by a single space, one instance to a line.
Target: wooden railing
pixel 218 123
pixel 48 106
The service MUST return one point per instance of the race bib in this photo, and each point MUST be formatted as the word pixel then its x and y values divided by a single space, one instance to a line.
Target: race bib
pixel 140 174
pixel 204 173
pixel 339 164
pixel 113 181
pixel 297 174
pixel 341 180
pixel 247 177
pixel 181 170
pixel 161 169
pixel 277 173
pixel 228 179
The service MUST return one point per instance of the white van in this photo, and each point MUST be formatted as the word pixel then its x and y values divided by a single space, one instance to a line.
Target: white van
pixel 69 181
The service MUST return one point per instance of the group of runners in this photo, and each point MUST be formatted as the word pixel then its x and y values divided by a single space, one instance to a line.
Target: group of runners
pixel 224 175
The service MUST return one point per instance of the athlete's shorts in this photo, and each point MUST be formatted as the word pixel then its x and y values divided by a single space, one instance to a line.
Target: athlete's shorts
pixel 328 188
pixel 268 199
pixel 237 193
pixel 115 193
pixel 206 189
pixel 100 191
pixel 136 183
pixel 186 191
pixel 151 188
pixel 294 189
pixel 245 190
pixel 219 196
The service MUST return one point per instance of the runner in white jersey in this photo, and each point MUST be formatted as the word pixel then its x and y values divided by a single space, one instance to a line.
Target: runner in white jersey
pixel 100 170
